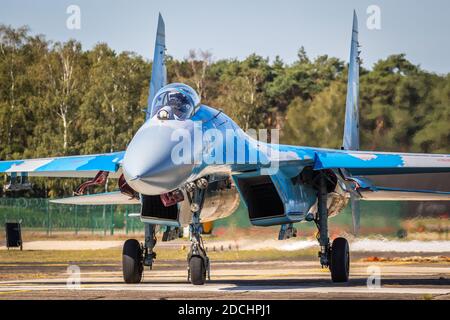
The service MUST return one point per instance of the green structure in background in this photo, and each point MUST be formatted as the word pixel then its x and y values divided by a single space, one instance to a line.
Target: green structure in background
pixel 378 217
pixel 41 215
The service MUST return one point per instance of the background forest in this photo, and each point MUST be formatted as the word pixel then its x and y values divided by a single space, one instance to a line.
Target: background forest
pixel 58 99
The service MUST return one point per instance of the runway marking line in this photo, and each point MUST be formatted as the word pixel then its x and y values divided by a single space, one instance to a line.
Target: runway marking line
pixel 15 291
pixel 230 288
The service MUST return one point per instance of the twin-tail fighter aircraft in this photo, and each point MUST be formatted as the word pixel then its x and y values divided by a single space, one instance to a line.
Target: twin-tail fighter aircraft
pixel 189 164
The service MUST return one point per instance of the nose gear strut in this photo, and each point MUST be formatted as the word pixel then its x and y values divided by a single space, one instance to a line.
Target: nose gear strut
pixel 198 261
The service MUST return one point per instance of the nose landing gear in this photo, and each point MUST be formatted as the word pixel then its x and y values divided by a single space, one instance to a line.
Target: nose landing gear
pixel 198 261
pixel 337 256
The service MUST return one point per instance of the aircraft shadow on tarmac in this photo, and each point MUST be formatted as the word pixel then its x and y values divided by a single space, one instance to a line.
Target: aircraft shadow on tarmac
pixel 271 284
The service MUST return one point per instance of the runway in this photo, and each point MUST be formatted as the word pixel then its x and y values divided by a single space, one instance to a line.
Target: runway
pixel 278 279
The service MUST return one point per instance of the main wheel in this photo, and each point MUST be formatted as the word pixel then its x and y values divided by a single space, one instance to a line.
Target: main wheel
pixel 132 264
pixel 197 270
pixel 340 260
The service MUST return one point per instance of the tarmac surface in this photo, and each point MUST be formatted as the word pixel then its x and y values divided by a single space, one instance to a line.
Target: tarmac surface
pixel 278 279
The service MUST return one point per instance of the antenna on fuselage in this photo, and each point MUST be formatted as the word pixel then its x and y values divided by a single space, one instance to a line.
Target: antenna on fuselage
pixel 159 74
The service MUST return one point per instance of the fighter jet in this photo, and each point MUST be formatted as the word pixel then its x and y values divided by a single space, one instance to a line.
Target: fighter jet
pixel 190 163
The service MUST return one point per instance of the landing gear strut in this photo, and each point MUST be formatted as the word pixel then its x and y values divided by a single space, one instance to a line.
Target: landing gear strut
pixel 198 261
pixel 135 256
pixel 149 244
pixel 336 257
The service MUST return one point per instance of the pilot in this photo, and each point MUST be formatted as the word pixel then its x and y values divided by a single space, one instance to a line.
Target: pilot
pixel 179 103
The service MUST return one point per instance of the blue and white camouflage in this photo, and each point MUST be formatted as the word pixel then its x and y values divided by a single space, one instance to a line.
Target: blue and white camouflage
pixel 148 167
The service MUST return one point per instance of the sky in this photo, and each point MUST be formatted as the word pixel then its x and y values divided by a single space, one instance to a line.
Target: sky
pixel 238 28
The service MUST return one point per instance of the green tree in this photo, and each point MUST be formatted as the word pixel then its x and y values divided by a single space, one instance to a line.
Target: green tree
pixel 317 122
pixel 15 56
pixel 242 93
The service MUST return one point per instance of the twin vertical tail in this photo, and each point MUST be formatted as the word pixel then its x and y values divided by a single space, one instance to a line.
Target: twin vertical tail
pixel 159 73
pixel 351 128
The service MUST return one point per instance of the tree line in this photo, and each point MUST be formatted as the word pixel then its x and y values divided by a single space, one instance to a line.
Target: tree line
pixel 57 99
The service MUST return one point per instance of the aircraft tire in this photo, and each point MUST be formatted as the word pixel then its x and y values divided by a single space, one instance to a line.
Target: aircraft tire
pixel 197 270
pixel 132 264
pixel 340 260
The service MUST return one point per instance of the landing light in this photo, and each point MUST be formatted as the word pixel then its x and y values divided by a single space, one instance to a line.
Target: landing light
pixel 190 186
pixel 195 207
pixel 202 183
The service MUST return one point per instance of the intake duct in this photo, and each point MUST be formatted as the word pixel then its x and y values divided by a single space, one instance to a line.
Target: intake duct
pixel 261 197
pixel 152 207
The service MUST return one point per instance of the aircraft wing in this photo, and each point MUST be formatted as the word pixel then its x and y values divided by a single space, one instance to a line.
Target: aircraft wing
pixel 379 163
pixel 84 166
pixel 360 164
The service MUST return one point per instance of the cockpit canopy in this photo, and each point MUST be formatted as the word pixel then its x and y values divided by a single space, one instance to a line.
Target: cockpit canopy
pixel 175 101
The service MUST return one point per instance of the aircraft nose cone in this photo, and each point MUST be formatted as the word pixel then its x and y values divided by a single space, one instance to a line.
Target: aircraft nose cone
pixel 148 165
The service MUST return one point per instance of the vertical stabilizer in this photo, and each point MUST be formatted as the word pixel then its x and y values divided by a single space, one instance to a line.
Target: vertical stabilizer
pixel 351 128
pixel 159 75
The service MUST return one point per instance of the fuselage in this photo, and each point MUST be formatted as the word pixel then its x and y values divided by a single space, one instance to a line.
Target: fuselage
pixel 166 154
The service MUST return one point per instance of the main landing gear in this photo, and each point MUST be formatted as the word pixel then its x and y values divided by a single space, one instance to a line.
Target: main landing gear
pixel 337 256
pixel 198 261
pixel 135 256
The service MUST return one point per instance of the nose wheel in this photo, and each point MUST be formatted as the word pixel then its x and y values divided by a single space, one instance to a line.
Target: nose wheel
pixel 198 269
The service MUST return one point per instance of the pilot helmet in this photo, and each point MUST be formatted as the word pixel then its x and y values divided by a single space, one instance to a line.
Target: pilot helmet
pixel 180 105
pixel 175 101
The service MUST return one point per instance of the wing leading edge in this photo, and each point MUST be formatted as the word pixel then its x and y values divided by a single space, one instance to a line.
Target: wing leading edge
pixel 376 163
pixel 84 166
pixel 358 166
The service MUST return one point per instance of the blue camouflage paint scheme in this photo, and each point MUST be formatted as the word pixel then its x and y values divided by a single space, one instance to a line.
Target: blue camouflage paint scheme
pixel 375 163
pixel 298 199
pixel 391 171
pixel 159 73
pixel 351 127
pixel 105 162
pixel 5 165
pixel 149 170
pixel 327 160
